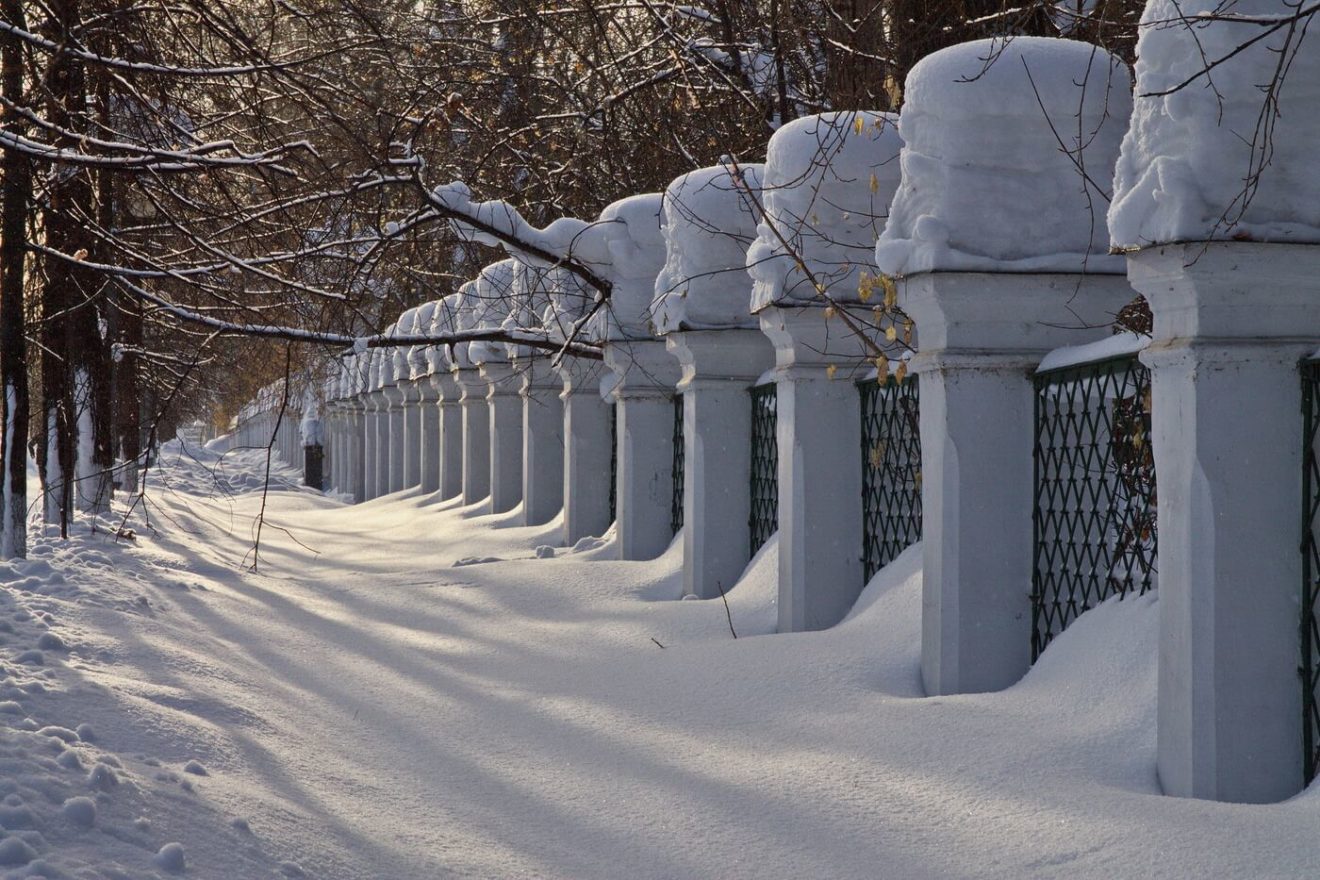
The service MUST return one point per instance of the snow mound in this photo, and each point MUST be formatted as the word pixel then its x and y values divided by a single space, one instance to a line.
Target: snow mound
pixel 829 180
pixel 629 231
pixel 1194 155
pixel 710 218
pixel 996 137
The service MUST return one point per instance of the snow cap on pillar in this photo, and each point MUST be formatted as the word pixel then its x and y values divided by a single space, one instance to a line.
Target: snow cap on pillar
pixel 828 183
pixel 629 232
pixel 1007 159
pixel 421 326
pixel 530 296
pixel 382 365
pixel 405 326
pixel 1199 144
pixel 440 358
pixel 492 300
pixel 709 219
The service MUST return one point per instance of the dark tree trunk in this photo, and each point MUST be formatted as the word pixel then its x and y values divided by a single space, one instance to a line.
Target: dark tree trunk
pixel 17 198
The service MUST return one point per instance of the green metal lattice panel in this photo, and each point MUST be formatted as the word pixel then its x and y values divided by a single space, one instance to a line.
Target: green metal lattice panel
pixel 1310 622
pixel 891 470
pixel 676 496
pixel 764 518
pixel 1095 501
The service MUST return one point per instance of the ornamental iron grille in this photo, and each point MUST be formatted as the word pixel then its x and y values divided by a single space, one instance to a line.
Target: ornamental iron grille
pixel 1093 524
pixel 1310 622
pixel 676 494
pixel 614 459
pixel 764 518
pixel 891 470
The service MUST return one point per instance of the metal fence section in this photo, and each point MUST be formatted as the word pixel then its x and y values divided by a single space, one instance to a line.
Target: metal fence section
pixel 764 518
pixel 676 495
pixel 1094 518
pixel 891 470
pixel 1310 618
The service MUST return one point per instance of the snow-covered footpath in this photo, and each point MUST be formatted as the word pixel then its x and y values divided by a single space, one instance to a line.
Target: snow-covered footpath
pixel 365 706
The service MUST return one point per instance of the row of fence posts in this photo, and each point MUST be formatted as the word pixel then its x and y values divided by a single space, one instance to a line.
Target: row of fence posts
pixel 1224 419
pixel 1013 529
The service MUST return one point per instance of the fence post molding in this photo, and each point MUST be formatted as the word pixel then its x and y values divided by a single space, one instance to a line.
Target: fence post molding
pixel 1232 323
pixel 429 448
pixel 476 433
pixel 989 301
pixel 543 440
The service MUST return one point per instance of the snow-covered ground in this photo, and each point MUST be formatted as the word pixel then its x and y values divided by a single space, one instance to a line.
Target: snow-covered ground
pixel 362 706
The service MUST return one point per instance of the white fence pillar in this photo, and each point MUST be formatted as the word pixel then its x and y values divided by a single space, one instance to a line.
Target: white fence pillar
pixel 586 450
pixel 356 483
pixel 394 397
pixel 1232 322
pixel 982 335
pixel 476 434
pixel 451 434
pixel 506 435
pixel 644 395
pixel 370 444
pixel 819 433
pixel 412 433
pixel 718 368
pixel 429 451
pixel 543 441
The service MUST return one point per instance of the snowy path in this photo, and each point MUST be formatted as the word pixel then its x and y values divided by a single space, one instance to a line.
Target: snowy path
pixel 366 709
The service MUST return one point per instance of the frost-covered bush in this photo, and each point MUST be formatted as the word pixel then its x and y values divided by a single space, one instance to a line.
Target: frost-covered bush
pixel 1008 155
pixel 828 183
pixel 710 218
pixel 630 237
pixel 1208 156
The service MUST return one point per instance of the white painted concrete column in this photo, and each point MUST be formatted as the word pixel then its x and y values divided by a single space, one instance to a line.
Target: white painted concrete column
pixel 644 395
pixel 451 434
pixel 428 414
pixel 506 435
pixel 412 433
pixel 381 461
pixel 543 440
pixel 357 477
pixel 718 368
pixel 394 396
pixel 586 450
pixel 1232 322
pixel 476 434
pixel 820 465
pixel 982 335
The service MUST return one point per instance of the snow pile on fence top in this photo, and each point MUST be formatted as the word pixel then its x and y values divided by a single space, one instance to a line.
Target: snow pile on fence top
pixel 443 322
pixel 567 239
pixel 571 299
pixel 1193 154
pixel 996 136
pixel 487 305
pixel 710 219
pixel 529 297
pixel 629 232
pixel 403 365
pixel 829 180
pixel 382 364
pixel 418 364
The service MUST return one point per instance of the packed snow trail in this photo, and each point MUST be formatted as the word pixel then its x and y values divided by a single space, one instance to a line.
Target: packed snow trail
pixel 362 707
